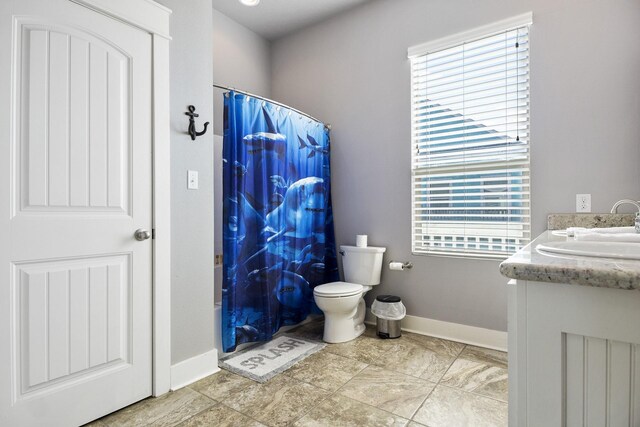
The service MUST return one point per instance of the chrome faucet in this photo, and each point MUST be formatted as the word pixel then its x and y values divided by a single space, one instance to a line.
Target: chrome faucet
pixel 617 204
pixel 614 210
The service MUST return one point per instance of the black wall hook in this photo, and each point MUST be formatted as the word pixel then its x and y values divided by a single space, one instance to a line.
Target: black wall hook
pixel 192 123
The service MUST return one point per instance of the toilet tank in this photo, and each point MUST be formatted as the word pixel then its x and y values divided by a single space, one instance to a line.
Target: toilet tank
pixel 362 265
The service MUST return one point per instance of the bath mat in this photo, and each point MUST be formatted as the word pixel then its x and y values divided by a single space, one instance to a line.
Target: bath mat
pixel 264 361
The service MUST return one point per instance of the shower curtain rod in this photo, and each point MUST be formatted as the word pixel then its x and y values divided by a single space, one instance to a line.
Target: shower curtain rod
pixel 327 125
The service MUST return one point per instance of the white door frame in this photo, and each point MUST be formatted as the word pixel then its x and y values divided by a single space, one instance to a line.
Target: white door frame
pixel 154 19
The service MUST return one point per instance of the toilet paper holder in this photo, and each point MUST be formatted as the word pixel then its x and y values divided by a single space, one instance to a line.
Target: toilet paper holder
pixel 405 265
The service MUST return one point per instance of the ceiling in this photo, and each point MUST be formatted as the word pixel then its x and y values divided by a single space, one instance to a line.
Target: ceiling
pixel 275 18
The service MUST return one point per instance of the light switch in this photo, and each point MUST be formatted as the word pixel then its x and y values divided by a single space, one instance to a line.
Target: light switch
pixel 192 180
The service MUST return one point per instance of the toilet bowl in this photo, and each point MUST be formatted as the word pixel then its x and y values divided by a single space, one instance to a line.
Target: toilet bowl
pixel 342 302
pixel 344 309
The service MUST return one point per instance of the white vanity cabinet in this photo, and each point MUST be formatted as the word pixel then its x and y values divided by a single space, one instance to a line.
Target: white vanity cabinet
pixel 574 354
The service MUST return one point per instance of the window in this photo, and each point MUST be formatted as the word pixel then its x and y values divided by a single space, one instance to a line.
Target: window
pixel 470 142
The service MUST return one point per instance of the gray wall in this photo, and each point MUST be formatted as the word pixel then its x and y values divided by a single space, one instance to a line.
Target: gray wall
pixel 352 71
pixel 241 59
pixel 191 210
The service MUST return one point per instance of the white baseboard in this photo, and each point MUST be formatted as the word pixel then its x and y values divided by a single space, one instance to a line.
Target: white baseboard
pixel 194 369
pixel 473 335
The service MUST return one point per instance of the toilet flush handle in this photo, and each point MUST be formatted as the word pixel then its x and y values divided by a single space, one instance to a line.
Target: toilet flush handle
pixel 341 252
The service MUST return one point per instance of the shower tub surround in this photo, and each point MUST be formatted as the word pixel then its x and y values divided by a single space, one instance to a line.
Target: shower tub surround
pixel 574 344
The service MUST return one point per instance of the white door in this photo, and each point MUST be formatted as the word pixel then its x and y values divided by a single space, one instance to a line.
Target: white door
pixel 75 184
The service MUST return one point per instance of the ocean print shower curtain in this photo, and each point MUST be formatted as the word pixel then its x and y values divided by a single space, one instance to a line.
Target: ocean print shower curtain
pixel 278 223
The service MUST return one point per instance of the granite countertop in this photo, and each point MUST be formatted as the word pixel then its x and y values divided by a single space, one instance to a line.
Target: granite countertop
pixel 588 220
pixel 529 264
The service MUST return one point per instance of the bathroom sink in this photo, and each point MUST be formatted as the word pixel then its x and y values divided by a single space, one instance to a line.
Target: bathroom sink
pixel 618 250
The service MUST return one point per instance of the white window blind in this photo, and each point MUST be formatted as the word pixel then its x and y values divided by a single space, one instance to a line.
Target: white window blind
pixel 470 147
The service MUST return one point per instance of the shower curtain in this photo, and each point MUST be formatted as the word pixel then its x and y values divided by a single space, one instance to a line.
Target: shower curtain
pixel 278 223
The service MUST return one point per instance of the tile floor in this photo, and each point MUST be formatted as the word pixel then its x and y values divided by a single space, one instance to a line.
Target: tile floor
pixel 411 381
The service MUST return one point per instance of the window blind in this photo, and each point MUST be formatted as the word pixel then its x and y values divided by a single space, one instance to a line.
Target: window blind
pixel 470 147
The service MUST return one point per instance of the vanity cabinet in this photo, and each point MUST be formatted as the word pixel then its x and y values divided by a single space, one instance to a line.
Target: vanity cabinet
pixel 574 355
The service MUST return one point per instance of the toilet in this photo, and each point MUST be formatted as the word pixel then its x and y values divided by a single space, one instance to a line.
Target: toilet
pixel 342 302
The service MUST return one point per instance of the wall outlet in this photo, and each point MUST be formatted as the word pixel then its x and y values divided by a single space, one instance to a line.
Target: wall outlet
pixel 192 180
pixel 583 203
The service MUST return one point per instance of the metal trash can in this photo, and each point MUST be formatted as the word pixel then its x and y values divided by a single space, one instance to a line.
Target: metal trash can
pixel 389 312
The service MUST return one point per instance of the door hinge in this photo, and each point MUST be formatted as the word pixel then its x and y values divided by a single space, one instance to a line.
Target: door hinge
pixel 153 233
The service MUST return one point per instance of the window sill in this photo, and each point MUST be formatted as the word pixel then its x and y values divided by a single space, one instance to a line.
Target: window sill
pixel 476 257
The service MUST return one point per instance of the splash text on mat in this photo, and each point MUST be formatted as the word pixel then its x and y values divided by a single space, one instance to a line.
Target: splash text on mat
pixel 259 359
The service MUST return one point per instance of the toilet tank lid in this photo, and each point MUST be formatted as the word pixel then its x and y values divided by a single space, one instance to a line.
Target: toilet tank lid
pixel 370 249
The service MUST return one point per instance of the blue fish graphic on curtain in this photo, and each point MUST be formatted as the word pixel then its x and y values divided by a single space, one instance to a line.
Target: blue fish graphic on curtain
pixel 278 224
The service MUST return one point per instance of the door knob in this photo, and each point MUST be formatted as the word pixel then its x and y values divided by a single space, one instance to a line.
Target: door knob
pixel 142 234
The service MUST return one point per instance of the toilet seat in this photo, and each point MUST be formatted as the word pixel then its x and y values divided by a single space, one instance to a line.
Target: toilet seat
pixel 337 290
